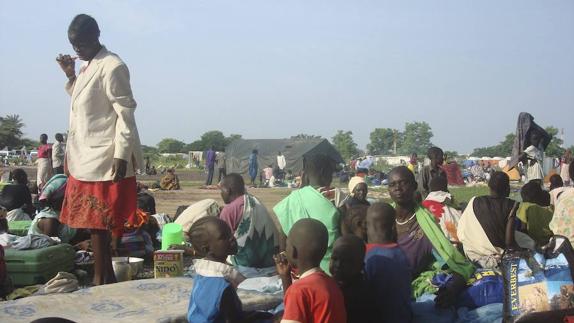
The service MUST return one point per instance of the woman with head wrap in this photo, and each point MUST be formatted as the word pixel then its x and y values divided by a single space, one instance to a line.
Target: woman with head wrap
pixel 358 191
pixel 48 220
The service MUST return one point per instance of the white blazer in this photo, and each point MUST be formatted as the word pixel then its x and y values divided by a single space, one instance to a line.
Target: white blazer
pixel 102 121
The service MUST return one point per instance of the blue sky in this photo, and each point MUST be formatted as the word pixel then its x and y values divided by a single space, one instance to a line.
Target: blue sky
pixel 272 69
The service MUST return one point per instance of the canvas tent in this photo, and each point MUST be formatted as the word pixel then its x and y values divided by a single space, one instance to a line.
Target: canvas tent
pixel 294 150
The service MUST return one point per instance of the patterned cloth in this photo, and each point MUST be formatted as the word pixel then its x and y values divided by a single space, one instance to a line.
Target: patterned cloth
pixel 256 235
pixel 151 300
pixel 99 205
pixel 563 220
pixel 446 216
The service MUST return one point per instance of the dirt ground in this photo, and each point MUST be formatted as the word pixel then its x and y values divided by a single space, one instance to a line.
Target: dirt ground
pixel 168 201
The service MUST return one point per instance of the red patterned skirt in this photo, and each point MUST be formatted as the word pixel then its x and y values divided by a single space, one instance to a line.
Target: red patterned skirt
pixel 99 205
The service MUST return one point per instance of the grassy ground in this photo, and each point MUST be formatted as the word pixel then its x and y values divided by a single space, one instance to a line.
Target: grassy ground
pixel 168 201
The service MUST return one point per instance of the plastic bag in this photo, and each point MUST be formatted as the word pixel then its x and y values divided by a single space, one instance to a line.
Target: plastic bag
pixel 539 283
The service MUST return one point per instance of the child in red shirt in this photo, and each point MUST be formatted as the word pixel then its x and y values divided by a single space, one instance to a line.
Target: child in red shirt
pixel 314 297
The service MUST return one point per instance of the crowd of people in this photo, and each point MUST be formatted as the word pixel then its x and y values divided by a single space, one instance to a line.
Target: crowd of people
pixel 341 257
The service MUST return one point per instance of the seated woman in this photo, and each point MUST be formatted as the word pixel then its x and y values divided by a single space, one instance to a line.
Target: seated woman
pixel 358 191
pixel 422 240
pixel 533 215
pixel 48 220
pixel 170 181
pixel 482 226
pixel 16 197
pixel 251 224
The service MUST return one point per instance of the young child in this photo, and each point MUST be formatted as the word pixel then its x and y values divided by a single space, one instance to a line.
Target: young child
pixel 346 266
pixel 213 296
pixel 534 216
pixel 353 221
pixel 386 265
pixel 314 297
pixel 436 156
pixel 556 188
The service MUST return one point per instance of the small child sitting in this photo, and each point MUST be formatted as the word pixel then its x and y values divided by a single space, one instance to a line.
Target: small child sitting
pixel 314 297
pixel 386 265
pixel 346 266
pixel 534 217
pixel 213 296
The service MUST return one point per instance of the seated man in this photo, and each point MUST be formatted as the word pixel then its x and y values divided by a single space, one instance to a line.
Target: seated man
pixel 170 181
pixel 48 220
pixel 482 226
pixel 314 200
pixel 422 240
pixel 250 223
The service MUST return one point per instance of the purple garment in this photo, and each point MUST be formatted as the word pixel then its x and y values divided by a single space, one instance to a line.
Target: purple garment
pixel 232 213
pixel 416 246
pixel 210 159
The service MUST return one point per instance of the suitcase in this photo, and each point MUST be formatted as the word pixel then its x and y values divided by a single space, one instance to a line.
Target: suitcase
pixel 30 267
pixel 19 228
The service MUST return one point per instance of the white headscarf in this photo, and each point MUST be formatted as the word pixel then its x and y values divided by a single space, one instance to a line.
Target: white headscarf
pixel 353 182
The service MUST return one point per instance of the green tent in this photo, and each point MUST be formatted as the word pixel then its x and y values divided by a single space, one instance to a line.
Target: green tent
pixel 295 151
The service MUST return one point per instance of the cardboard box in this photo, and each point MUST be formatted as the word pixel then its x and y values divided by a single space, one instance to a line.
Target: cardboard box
pixel 168 263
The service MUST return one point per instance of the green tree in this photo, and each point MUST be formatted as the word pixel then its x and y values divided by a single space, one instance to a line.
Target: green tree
pixel 29 143
pixel 171 146
pixel 231 138
pixel 416 138
pixel 149 150
pixel 345 144
pixel 554 148
pixel 195 146
pixel 503 149
pixel 11 131
pixel 215 139
pixel 382 141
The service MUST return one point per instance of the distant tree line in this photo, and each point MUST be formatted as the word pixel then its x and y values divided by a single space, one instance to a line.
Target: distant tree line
pixel 414 138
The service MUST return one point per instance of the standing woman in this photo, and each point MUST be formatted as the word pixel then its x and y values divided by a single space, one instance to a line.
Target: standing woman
pixel 253 167
pixel 44 162
pixel 103 148
pixel 529 144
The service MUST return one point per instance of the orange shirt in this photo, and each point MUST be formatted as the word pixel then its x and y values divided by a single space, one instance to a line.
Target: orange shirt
pixel 315 297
